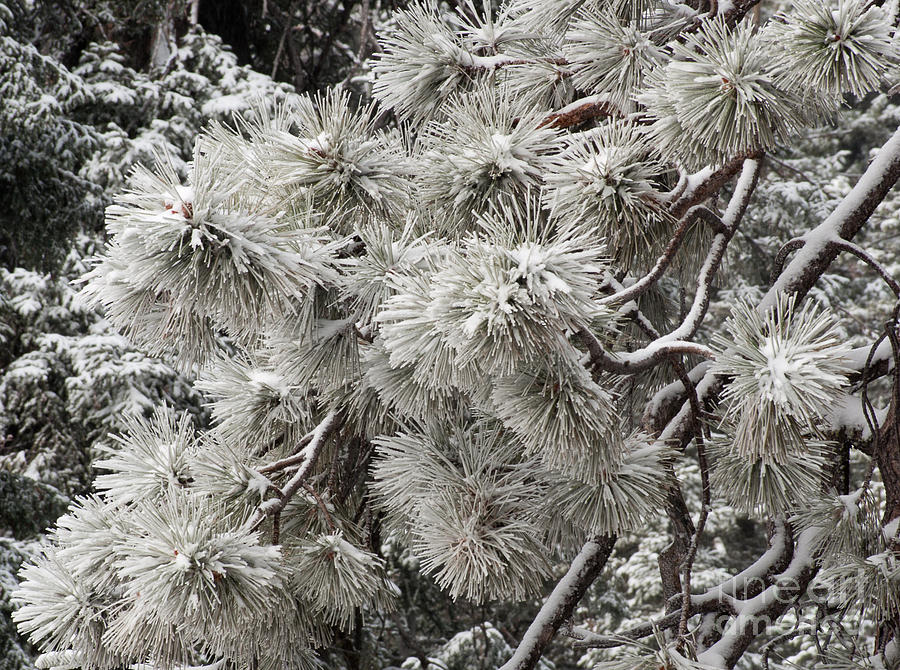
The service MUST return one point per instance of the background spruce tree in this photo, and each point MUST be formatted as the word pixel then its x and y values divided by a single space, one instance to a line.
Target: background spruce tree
pixel 518 339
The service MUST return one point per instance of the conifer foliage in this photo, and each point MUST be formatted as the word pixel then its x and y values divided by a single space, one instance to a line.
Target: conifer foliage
pixel 442 331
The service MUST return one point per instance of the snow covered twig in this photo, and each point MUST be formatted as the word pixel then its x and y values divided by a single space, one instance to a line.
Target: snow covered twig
pixel 323 431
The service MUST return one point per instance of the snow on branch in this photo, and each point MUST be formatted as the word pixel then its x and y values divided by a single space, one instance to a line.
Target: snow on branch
pixel 772 602
pixel 582 110
pixel 843 245
pixel 678 340
pixel 320 435
pixel 561 603
pixel 730 597
pixel 819 248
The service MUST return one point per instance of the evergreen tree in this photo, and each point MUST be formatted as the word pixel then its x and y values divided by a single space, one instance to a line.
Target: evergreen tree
pixel 481 340
pixel 66 378
pixel 43 148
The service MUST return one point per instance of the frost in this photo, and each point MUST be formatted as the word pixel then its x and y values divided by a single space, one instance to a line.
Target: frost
pixel 532 267
pixel 775 379
pixel 454 299
pixel 268 381
pixel 258 484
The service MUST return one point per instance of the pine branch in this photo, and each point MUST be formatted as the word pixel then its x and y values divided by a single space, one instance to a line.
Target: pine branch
pixel 643 359
pixel 589 640
pixel 707 183
pixel 844 222
pixel 288 461
pixel 679 429
pixel 561 603
pixel 705 499
pixel 297 456
pixel 646 282
pixel 582 110
pixel 843 245
pixel 781 256
pixel 311 451
pixel 677 341
pixel 887 445
pixel 672 557
pixel 726 598
pixel 769 605
pixel 736 11
pixel 661 408
pixel 869 260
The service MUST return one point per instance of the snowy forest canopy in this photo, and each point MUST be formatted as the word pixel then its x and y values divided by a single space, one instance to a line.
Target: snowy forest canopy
pixel 536 333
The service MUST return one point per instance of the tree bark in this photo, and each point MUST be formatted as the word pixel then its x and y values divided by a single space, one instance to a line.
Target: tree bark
pixel 562 602
pixel 887 455
pixel 845 222
pixel 887 447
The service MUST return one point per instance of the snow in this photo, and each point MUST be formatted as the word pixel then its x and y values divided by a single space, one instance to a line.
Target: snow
pixel 473 323
pixel 725 6
pixel 319 144
pixel 344 550
pixel 36 467
pixel 488 62
pixel 35 368
pixel 581 102
pixel 749 173
pixel 182 561
pixel 257 484
pixel 749 611
pixel 856 358
pixel 505 160
pixel 817 240
pixel 185 193
pixel 891 529
pixel 114 93
pixel 774 378
pixel 532 267
pixel 675 389
pixel 847 414
pixel 327 329
pixel 59 660
pixel 270 505
pixel 267 381
pixel 502 142
pixel 695 180
pixel 555 603
pixel 225 105
pixel 664 343
pixel 27 305
pixel 754 573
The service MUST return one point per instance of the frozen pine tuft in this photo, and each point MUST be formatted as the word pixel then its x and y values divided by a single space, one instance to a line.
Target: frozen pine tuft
pixel 849 48
pixel 787 366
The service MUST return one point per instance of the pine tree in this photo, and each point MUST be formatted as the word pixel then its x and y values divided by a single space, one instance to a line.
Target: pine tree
pixel 472 320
